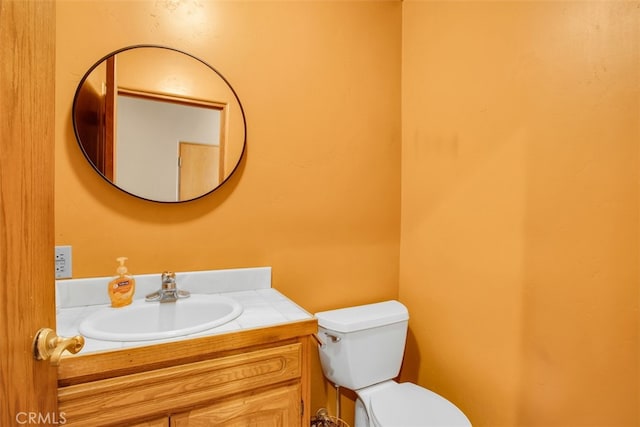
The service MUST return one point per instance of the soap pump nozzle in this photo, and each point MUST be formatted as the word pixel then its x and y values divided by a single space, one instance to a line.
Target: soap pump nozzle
pixel 122 269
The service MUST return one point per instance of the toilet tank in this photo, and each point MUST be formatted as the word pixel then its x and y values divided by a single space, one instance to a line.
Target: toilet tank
pixel 363 345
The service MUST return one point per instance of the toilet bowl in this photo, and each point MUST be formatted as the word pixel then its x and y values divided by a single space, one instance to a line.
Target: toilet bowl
pixel 361 349
pixel 408 405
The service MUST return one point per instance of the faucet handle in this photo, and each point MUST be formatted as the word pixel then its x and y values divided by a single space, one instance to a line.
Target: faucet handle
pixel 168 275
pixel 168 280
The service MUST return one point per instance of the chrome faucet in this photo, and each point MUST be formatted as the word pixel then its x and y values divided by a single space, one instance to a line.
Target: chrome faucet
pixel 168 292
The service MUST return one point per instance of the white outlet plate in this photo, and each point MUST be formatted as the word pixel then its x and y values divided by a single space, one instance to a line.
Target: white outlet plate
pixel 63 262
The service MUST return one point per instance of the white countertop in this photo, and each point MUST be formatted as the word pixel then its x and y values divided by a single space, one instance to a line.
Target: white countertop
pixel 262 305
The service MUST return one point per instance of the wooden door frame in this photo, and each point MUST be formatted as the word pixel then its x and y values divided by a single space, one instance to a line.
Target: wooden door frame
pixel 28 391
pixel 221 107
pixel 107 145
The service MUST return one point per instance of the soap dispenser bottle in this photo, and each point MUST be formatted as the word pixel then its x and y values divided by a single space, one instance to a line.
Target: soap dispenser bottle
pixel 122 287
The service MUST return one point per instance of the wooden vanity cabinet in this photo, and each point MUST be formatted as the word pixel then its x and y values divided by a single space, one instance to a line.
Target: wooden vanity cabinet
pixel 256 377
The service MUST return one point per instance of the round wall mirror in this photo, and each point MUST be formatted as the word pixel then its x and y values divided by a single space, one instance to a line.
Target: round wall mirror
pixel 159 123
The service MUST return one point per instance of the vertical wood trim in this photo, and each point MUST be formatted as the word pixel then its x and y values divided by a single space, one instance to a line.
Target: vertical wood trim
pixel 307 345
pixel 222 141
pixel 27 121
pixel 108 153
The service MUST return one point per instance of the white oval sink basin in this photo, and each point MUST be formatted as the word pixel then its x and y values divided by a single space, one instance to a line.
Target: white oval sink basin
pixel 142 321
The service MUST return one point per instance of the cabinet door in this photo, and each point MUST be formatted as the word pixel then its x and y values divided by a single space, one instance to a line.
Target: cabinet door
pixel 160 422
pixel 278 407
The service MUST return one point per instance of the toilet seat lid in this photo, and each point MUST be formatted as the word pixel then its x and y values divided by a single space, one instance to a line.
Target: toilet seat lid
pixel 409 405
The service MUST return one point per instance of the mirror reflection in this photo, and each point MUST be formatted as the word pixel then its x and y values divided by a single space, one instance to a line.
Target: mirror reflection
pixel 159 123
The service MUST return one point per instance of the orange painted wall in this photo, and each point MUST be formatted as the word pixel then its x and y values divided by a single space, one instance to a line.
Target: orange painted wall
pixel 519 241
pixel 317 196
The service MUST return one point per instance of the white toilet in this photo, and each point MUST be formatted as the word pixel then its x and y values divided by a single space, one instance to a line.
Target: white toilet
pixel 362 349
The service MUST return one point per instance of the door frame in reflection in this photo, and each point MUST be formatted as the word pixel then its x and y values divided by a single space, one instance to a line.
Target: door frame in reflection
pixel 160 177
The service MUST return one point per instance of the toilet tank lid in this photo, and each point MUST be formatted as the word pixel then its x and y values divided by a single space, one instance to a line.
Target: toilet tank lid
pixel 361 317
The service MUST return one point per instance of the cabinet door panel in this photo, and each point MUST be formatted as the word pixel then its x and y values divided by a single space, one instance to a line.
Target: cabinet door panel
pixel 279 407
pixel 160 422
